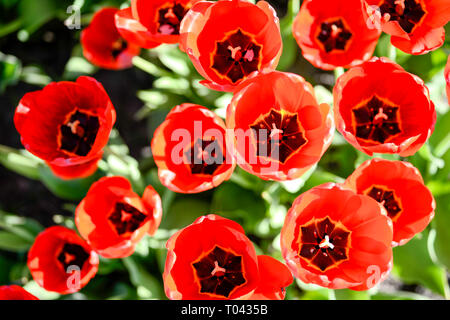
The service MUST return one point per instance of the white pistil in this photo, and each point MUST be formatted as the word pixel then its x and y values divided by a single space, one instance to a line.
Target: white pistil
pixel 75 128
pixel 275 131
pixel 170 14
pixel 234 51
pixel 68 257
pixel 125 216
pixel 335 30
pixel 381 115
pixel 326 243
pixel 217 269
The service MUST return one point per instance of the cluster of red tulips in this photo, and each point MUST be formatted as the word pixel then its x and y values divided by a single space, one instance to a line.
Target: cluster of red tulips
pixel 334 235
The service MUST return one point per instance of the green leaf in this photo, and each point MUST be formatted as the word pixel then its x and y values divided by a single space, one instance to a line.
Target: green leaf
pixel 20 161
pixel 6 265
pixel 320 177
pixel 441 223
pixel 294 186
pixel 120 163
pixel 25 228
pixel 12 242
pixel 239 204
pixel 18 272
pixel 10 68
pixel 347 294
pixel 440 139
pixel 398 295
pixel 323 294
pixel 140 277
pixel 383 45
pixel 290 47
pixel 74 189
pixel 183 212
pixel 107 266
pixel 174 59
pixel 36 13
pixel 413 264
pixel 36 290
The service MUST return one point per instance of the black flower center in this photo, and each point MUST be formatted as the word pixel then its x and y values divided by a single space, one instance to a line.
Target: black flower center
pixel 333 35
pixel 73 255
pixel 323 243
pixel 408 13
pixel 236 56
pixel 204 156
pixel 126 219
pixel 387 198
pixel 169 19
pixel 119 46
pixel 278 135
pixel 219 272
pixel 77 135
pixel 376 120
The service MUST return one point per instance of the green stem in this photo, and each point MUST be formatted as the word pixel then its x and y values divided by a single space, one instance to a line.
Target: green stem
pixel 167 199
pixel 5 149
pixel 240 181
pixel 392 52
pixel 150 67
pixel 293 7
pixel 194 95
pixel 338 72
pixel 10 27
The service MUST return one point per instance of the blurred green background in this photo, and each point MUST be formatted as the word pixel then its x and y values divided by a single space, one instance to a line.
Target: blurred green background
pixel 37 47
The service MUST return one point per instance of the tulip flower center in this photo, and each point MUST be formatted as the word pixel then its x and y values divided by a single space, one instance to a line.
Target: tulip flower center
pixel 72 255
pixel 334 35
pixel 324 243
pixel 278 135
pixel 77 135
pixel 219 272
pixel 169 19
pixel 376 120
pixel 126 219
pixel 118 47
pixel 204 156
pixel 408 13
pixel 387 198
pixel 236 56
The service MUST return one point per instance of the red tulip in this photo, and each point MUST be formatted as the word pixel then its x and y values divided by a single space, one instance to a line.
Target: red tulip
pixel 399 187
pixel 335 238
pixel 374 113
pixel 14 292
pixel 61 261
pixel 102 44
pixel 334 33
pixel 113 219
pixel 415 26
pixel 190 151
pixel 151 23
pixel 277 127
pixel 67 124
pixel 212 259
pixel 274 278
pixel 247 39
